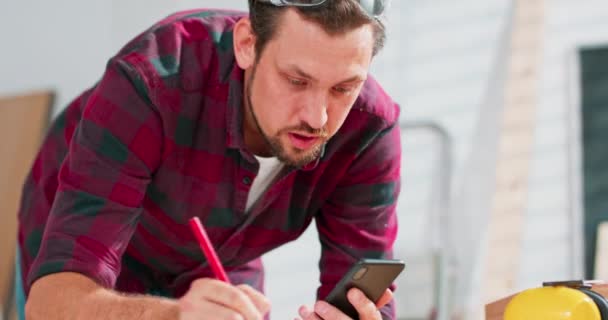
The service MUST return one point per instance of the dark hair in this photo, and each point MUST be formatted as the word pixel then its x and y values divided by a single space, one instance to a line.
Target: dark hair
pixel 336 17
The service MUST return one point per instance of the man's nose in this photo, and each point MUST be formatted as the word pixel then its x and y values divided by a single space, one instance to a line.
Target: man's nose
pixel 314 110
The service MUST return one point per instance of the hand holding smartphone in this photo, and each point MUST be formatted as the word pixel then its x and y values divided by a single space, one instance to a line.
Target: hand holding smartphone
pixel 372 276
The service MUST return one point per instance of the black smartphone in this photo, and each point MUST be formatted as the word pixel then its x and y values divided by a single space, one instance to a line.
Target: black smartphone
pixel 372 276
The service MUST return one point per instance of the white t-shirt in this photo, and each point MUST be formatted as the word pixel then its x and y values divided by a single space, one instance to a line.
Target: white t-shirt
pixel 269 168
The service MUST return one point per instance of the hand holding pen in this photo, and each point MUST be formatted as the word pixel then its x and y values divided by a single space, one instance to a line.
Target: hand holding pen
pixel 216 298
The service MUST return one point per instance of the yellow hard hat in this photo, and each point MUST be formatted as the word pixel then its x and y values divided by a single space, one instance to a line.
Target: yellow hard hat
pixel 552 303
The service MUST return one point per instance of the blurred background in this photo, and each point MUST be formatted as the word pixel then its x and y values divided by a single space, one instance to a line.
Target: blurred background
pixel 504 111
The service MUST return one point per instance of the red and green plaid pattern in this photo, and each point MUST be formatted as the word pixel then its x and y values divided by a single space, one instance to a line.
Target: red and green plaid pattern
pixel 158 140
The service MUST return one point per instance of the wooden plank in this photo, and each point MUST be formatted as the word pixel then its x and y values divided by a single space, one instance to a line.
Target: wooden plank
pixel 501 262
pixel 23 120
pixel 496 309
pixel 601 252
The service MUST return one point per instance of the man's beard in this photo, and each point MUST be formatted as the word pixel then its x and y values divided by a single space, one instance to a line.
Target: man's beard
pixel 301 157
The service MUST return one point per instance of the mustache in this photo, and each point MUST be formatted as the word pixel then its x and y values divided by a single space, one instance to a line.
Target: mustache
pixel 321 132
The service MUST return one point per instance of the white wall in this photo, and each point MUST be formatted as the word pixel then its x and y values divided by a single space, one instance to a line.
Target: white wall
pixel 65 44
pixel 449 56
pixel 45 45
pixel 552 216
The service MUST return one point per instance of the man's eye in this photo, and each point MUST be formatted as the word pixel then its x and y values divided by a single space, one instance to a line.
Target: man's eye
pixel 343 90
pixel 296 82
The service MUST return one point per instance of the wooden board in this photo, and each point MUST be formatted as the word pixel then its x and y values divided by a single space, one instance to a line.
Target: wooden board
pixel 23 120
pixel 505 223
pixel 601 252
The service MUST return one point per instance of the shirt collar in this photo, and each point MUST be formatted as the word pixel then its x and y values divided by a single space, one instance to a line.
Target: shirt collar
pixel 234 108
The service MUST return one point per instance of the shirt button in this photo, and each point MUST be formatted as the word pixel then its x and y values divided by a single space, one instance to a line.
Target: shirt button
pixel 247 180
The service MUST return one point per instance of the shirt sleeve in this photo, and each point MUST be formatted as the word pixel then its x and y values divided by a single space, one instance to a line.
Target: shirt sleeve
pixel 359 219
pixel 112 155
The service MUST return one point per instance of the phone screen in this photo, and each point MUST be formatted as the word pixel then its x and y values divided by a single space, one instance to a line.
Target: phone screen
pixel 372 276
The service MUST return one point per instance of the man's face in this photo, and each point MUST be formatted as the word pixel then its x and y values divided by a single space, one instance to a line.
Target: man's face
pixel 302 87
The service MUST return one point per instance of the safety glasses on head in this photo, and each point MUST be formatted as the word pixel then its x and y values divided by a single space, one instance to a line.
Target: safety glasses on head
pixel 374 8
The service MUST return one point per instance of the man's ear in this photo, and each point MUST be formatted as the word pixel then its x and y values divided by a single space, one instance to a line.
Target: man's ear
pixel 244 43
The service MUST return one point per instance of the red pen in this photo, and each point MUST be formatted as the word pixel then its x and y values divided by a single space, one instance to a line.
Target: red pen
pixel 207 247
